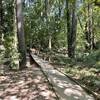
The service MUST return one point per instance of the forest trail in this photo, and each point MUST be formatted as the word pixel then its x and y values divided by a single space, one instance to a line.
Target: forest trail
pixel 65 88
pixel 28 84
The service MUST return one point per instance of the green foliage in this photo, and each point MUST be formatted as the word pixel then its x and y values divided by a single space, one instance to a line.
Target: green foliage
pixel 38 31
pixel 2 51
pixel 86 76
pixel 8 16
pixel 92 58
pixel 11 52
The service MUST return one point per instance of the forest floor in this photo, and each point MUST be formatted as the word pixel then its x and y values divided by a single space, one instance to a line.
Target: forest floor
pixel 28 84
pixel 31 84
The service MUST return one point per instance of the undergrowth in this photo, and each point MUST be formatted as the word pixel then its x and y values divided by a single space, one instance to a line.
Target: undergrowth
pixel 85 68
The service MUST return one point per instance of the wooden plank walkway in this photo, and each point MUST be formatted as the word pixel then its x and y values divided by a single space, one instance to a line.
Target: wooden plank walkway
pixel 65 88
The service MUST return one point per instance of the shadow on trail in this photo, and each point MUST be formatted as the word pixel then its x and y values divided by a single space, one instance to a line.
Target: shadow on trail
pixel 29 84
pixel 65 88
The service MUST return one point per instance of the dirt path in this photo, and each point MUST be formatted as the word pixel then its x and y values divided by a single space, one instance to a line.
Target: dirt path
pixel 29 84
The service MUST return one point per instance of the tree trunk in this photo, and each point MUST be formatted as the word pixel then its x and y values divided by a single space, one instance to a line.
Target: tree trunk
pixel 46 17
pixel 20 34
pixel 89 35
pixel 71 28
pixel 50 38
pixel 1 22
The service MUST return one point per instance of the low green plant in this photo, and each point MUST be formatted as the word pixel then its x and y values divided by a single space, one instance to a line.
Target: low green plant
pixel 11 52
pixel 2 50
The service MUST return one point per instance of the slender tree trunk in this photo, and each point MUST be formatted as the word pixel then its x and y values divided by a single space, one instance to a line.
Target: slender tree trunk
pixel 20 33
pixel 92 29
pixel 15 23
pixel 89 29
pixel 71 28
pixel 46 16
pixel 1 22
pixel 68 25
pixel 50 38
pixel 59 9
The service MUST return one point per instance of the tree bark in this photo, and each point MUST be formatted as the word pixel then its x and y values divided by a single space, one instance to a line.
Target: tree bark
pixel 71 28
pixel 20 34
pixel 46 17
pixel 1 21
pixel 89 35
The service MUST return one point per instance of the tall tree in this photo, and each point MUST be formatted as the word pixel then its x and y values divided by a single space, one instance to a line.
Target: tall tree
pixel 89 34
pixel 1 21
pixel 20 33
pixel 71 27
pixel 47 8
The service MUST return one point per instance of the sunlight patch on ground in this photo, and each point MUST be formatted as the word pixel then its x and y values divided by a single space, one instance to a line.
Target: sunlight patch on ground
pixel 70 91
pixel 27 84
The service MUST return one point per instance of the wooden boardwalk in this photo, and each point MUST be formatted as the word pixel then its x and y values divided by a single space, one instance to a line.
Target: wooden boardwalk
pixel 65 88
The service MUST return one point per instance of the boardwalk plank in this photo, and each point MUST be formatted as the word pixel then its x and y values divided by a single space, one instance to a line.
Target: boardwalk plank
pixel 65 88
